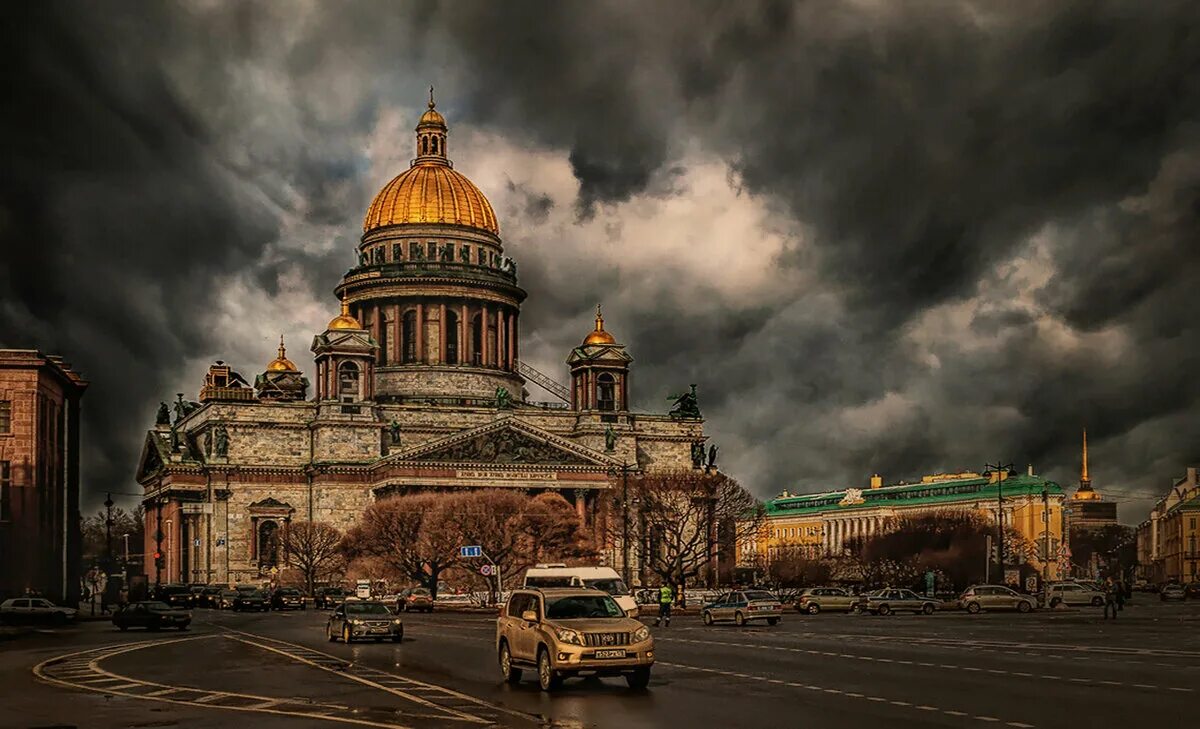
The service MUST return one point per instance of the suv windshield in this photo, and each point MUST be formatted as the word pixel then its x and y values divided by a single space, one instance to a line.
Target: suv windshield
pixel 611 585
pixel 367 608
pixel 583 606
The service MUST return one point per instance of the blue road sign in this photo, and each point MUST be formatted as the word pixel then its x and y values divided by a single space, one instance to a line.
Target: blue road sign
pixel 473 551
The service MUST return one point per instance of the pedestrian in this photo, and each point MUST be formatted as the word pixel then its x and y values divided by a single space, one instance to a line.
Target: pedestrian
pixel 666 596
pixel 1120 589
pixel 1110 598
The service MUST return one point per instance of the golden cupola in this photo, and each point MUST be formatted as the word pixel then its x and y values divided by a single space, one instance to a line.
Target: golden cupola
pixel 431 191
pixel 344 320
pixel 281 363
pixel 598 335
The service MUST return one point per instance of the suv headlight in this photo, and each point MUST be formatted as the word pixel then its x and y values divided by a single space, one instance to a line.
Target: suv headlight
pixel 355 621
pixel 641 634
pixel 567 635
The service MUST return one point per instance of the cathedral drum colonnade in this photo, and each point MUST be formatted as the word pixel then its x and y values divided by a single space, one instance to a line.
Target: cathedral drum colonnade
pixel 417 385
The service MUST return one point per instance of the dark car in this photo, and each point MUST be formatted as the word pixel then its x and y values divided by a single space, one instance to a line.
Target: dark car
pixel 251 600
pixel 364 619
pixel 174 595
pixel 197 589
pixel 329 597
pixel 414 599
pixel 210 597
pixel 225 599
pixel 1191 591
pixel 287 598
pixel 151 615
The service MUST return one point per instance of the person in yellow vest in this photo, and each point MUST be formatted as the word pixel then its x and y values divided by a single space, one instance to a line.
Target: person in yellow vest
pixel 666 596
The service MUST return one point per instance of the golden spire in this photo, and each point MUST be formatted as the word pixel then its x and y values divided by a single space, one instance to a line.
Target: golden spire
pixel 282 363
pixel 344 320
pixel 1083 476
pixel 431 104
pixel 598 335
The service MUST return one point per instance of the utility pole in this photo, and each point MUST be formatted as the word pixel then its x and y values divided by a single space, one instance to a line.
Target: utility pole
pixel 1001 472
pixel 108 505
pixel 1045 537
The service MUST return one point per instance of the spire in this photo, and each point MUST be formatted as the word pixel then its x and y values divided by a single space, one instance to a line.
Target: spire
pixel 1083 475
pixel 282 349
pixel 598 335
pixel 599 319
pixel 431 104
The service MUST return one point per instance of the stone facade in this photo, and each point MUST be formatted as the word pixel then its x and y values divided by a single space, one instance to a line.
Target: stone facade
pixel 418 386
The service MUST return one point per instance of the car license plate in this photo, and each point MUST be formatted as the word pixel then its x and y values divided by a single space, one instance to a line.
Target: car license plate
pixel 610 653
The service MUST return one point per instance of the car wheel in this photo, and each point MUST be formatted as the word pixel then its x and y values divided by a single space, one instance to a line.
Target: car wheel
pixel 346 637
pixel 58 618
pixel 1097 602
pixel 973 608
pixel 1024 607
pixel 927 609
pixel 708 618
pixel 398 637
pixel 1055 602
pixel 772 621
pixel 329 634
pixel 884 610
pixel 639 679
pixel 510 674
pixel 548 679
pixel 856 609
pixel 122 628
pixel 814 609
pixel 739 619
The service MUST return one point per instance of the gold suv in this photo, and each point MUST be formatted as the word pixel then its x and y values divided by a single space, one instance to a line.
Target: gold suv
pixel 567 632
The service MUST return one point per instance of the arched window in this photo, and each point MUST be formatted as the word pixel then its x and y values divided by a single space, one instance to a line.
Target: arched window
pixel 477 339
pixel 409 353
pixel 424 145
pixel 451 324
pixel 268 544
pixel 606 387
pixel 348 382
pixel 435 145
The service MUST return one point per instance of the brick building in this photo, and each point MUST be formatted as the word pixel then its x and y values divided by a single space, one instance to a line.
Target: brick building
pixel 39 475
pixel 417 385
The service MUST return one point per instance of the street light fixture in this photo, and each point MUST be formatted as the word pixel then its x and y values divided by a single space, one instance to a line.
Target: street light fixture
pixel 1001 471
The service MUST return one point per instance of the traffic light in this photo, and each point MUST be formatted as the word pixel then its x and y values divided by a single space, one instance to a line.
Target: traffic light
pixel 995 554
pixel 158 560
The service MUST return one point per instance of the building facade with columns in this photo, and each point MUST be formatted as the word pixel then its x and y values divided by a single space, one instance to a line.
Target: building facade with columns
pixel 1168 542
pixel 822 524
pixel 416 384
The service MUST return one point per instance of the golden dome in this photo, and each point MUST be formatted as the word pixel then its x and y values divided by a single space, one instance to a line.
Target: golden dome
pixel 282 363
pixel 431 191
pixel 344 320
pixel 598 335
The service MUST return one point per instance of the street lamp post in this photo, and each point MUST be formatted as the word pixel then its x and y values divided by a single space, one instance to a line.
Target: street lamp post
pixel 1001 471
pixel 125 571
pixel 108 521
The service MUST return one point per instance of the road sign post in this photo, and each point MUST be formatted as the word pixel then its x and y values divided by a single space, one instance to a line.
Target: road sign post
pixel 475 551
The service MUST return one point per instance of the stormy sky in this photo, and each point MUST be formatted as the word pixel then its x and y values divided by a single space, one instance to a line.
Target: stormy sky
pixel 881 237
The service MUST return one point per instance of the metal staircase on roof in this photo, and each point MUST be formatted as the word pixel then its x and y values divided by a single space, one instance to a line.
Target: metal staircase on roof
pixel 544 381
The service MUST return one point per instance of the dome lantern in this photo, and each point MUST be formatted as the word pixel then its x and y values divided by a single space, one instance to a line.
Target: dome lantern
pixel 431 135
pixel 282 363
pixel 598 335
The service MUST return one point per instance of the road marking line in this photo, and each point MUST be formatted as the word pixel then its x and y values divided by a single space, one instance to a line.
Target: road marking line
pixel 1019 725
pixel 954 713
pixel 987 718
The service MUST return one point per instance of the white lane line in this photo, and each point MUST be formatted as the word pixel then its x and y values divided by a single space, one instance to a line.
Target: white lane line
pixel 987 718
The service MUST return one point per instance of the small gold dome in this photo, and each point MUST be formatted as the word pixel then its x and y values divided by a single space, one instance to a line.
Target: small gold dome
pixel 344 320
pixel 282 363
pixel 598 335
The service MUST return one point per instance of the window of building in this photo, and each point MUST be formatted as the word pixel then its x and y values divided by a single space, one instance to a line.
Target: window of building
pixel 606 389
pixel 348 382
pixel 5 416
pixel 5 491
pixel 451 338
pixel 409 337
pixel 396 253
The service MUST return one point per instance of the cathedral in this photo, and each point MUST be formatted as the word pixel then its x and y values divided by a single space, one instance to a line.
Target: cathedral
pixel 416 384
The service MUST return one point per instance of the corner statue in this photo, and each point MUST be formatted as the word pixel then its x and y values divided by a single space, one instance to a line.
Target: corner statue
pixel 686 405
pixel 698 454
pixel 394 432
pixel 610 439
pixel 221 441
pixel 503 399
pixel 164 415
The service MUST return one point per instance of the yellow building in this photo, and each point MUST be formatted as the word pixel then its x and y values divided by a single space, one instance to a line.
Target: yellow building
pixel 821 524
pixel 1169 541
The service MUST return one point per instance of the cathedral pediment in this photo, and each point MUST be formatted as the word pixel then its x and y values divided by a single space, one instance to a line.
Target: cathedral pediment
pixel 505 442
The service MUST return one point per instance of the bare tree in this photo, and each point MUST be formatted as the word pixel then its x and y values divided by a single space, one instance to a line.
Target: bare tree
pixel 312 547
pixel 411 534
pixel 682 513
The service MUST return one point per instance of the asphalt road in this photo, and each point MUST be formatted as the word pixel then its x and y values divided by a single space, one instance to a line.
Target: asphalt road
pixel 1053 669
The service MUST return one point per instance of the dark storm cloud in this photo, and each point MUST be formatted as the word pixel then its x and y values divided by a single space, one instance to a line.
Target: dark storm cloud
pixel 912 152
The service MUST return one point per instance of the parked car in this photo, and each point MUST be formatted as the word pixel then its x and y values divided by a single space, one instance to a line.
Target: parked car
pixel 1073 593
pixel 35 610
pixel 1192 590
pixel 210 597
pixel 226 598
pixel 1173 591
pixel 363 619
pixel 414 599
pixel 741 607
pixel 174 595
pixel 1144 586
pixel 151 615
pixel 287 598
pixel 329 597
pixel 251 600
pixel 566 632
pixel 993 597
pixel 890 600
pixel 815 599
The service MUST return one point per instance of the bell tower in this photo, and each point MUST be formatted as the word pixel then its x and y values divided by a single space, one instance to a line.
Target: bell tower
pixel 345 360
pixel 600 371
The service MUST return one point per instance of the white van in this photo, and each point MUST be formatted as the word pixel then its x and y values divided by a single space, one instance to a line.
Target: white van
pixel 600 578
pixel 362 589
